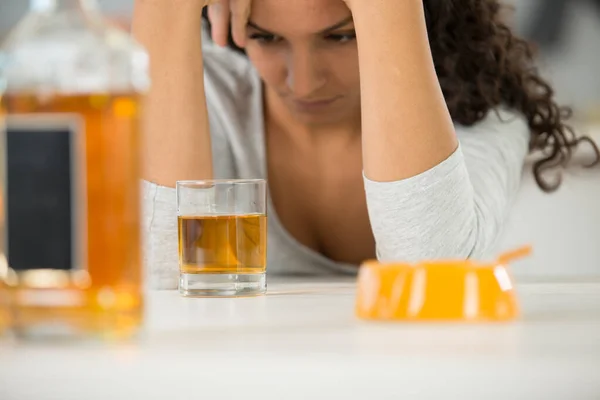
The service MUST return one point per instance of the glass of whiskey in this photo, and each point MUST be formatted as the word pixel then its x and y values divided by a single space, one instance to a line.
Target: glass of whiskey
pixel 71 86
pixel 222 230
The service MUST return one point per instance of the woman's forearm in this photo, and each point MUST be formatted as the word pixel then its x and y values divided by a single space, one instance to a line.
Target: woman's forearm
pixel 406 125
pixel 176 140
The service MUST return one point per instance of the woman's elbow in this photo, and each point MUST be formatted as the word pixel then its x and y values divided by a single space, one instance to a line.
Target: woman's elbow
pixel 470 233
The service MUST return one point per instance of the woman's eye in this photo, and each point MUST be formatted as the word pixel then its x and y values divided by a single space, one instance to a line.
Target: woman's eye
pixel 264 38
pixel 341 38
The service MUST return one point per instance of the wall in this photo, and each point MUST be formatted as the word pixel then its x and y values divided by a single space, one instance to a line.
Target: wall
pixel 12 10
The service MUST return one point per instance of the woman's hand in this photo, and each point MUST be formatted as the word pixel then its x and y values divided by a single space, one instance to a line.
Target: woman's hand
pixel 223 12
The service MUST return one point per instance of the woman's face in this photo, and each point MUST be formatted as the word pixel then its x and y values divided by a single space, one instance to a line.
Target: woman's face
pixel 306 53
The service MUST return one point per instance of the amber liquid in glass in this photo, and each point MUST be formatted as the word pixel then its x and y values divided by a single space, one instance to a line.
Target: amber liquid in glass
pixel 224 244
pixel 105 295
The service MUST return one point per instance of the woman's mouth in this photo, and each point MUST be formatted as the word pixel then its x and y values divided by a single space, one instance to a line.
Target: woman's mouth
pixel 313 105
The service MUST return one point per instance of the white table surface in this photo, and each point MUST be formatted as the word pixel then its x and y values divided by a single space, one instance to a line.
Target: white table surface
pixel 302 341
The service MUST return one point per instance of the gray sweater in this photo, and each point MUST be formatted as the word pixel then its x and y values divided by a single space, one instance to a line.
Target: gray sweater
pixel 457 209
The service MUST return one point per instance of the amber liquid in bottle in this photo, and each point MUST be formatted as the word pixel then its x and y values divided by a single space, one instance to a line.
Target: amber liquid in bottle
pixel 100 291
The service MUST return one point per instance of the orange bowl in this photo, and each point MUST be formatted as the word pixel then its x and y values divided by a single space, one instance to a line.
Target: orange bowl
pixel 438 290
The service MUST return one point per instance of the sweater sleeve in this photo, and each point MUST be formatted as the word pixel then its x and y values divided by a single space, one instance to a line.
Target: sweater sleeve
pixel 457 209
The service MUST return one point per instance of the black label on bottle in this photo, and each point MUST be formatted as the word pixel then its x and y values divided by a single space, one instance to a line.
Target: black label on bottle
pixel 43 186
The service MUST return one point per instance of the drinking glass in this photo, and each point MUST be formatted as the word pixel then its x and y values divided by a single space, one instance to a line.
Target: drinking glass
pixel 222 229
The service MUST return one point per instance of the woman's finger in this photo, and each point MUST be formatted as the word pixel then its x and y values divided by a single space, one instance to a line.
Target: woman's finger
pixel 240 12
pixel 219 14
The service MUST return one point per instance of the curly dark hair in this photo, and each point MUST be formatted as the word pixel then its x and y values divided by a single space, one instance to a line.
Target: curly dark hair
pixel 482 64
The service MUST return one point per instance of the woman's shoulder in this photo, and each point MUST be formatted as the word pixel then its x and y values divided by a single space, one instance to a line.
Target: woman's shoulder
pixel 497 143
pixel 228 75
pixel 501 126
pixel 497 120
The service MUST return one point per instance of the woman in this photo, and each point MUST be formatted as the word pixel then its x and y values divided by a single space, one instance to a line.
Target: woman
pixel 389 129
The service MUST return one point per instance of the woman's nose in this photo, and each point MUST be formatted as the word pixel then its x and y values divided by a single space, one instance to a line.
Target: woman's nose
pixel 304 75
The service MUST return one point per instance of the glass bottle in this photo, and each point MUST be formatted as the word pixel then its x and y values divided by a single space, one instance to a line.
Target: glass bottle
pixel 70 260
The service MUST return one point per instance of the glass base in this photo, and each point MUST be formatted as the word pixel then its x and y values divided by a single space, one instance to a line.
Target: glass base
pixel 66 313
pixel 222 285
pixel 47 324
